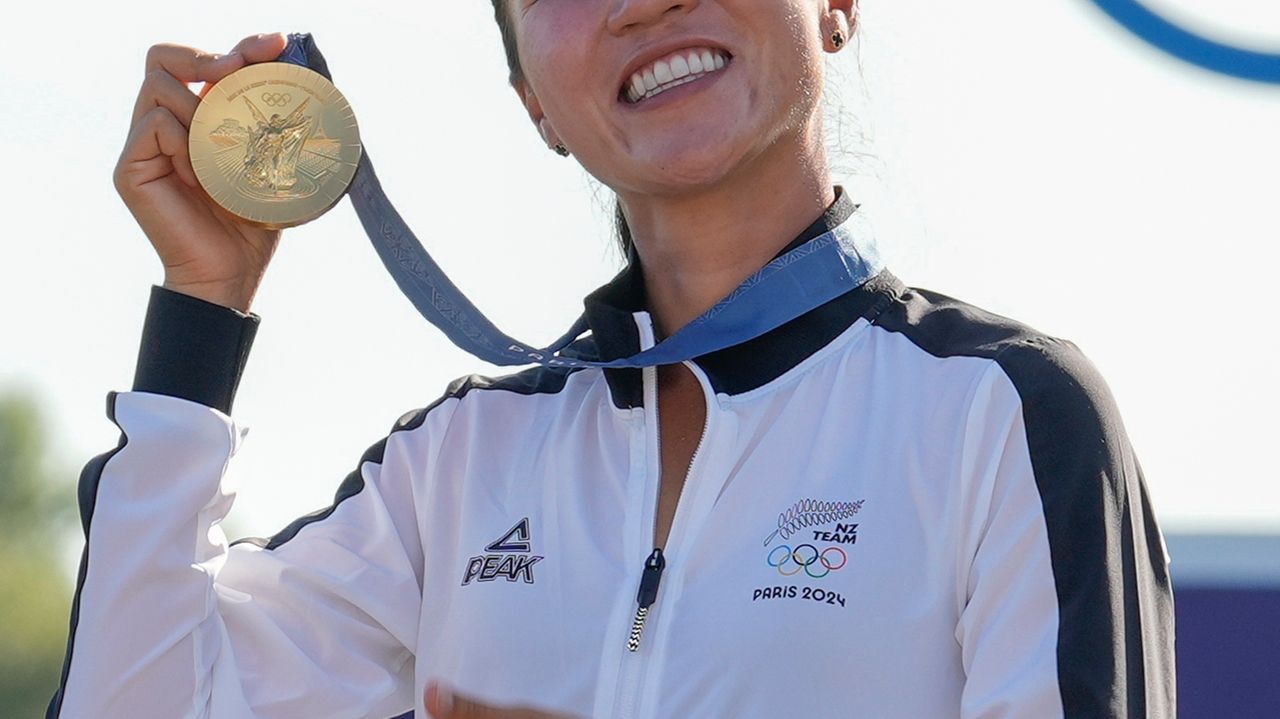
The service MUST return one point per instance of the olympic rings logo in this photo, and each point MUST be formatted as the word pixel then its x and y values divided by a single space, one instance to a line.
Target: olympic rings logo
pixel 804 558
pixel 276 99
pixel 1191 46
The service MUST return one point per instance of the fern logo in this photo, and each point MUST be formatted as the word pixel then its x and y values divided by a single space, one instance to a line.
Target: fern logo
pixel 812 513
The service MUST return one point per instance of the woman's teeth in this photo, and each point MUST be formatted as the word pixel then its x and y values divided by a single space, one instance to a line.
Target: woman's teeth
pixel 673 71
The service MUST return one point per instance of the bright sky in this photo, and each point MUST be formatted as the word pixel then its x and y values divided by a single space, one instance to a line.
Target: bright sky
pixel 1031 158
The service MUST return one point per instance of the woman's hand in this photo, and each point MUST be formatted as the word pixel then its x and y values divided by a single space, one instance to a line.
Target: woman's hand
pixel 206 251
pixel 443 703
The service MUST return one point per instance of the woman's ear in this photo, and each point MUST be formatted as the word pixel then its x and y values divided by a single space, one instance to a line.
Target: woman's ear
pixel 849 8
pixel 839 21
pixel 529 99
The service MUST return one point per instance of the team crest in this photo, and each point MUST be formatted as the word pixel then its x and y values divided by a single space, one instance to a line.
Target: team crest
pixel 816 538
pixel 508 557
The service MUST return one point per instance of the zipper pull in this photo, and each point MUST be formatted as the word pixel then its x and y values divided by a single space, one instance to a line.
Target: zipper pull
pixel 648 594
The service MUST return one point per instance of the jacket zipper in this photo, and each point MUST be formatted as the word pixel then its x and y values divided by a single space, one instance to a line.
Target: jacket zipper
pixel 651 575
pixel 631 673
pixel 648 594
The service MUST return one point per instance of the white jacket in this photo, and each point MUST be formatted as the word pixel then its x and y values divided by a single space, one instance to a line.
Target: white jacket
pixel 902 506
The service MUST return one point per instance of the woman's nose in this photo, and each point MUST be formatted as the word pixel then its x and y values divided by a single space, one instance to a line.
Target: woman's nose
pixel 630 15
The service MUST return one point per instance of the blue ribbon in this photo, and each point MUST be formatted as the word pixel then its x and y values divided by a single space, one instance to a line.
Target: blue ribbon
pixel 794 283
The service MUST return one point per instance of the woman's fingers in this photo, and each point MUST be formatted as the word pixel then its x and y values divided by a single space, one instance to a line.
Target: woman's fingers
pixel 169 68
pixel 171 137
pixel 189 64
pixel 158 136
pixel 443 703
pixel 161 89
pixel 261 48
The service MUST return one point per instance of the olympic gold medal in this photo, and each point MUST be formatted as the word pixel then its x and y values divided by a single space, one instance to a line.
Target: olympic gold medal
pixel 275 144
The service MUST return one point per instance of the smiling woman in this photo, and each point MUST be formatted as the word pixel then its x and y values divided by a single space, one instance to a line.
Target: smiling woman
pixel 891 503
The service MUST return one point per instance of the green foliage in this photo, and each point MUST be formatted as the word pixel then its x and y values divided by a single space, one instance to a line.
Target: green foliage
pixel 37 515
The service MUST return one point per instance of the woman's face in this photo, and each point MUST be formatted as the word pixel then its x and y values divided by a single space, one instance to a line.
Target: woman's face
pixel 661 97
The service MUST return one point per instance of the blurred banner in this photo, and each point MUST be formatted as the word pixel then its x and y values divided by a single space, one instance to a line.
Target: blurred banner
pixel 1227 599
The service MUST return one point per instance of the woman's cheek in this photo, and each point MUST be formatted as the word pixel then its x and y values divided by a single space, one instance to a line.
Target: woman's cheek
pixel 563 28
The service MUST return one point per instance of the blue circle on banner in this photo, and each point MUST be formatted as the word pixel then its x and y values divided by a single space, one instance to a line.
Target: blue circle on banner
pixel 1190 46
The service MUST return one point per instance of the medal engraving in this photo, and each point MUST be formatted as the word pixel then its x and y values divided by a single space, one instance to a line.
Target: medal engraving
pixel 275 144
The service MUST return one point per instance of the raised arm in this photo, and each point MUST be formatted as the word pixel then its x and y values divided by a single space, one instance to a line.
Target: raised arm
pixel 169 621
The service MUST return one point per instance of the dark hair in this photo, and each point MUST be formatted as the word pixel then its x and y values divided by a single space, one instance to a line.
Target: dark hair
pixel 515 75
pixel 508 39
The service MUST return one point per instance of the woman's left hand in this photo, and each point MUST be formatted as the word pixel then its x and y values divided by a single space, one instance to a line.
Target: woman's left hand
pixel 444 703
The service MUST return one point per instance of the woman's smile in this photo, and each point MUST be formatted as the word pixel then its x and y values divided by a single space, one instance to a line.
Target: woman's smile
pixel 672 70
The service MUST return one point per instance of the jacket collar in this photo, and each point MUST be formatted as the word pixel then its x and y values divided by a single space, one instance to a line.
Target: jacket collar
pixel 742 367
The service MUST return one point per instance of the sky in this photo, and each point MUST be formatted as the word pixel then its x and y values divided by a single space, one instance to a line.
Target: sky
pixel 1030 158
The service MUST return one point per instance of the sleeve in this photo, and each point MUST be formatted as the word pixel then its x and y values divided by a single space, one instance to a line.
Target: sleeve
pixel 168 620
pixel 1067 608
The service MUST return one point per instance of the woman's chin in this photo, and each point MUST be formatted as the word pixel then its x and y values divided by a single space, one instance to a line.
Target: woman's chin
pixel 681 163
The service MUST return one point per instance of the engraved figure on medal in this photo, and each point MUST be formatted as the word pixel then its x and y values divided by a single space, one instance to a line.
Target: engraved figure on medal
pixel 278 159
pixel 271 156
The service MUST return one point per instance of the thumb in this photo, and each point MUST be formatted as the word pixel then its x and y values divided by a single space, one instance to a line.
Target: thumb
pixel 263 47
pixel 443 703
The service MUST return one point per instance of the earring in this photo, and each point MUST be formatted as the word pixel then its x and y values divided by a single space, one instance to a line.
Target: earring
pixel 560 149
pixel 837 39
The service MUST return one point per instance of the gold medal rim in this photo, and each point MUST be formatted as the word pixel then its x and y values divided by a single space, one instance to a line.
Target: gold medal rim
pixel 277 215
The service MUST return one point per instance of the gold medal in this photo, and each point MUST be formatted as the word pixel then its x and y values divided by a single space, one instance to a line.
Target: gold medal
pixel 275 144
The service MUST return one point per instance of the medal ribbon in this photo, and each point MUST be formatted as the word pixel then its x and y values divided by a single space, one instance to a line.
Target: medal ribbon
pixel 791 285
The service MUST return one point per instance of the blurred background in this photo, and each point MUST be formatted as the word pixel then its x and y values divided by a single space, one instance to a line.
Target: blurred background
pixel 1039 159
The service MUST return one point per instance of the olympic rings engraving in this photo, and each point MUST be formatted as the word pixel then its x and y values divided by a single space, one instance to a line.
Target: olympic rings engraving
pixel 276 99
pixel 806 560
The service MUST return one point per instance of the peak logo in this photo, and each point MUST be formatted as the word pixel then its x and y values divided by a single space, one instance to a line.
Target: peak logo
pixel 508 557
pixel 1191 46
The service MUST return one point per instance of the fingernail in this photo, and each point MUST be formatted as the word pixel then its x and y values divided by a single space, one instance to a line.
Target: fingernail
pixel 445 696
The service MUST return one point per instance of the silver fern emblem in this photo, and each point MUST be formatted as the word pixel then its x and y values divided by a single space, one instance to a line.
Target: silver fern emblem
pixel 812 512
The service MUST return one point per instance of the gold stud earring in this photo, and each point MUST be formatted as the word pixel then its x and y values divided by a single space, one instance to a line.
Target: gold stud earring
pixel 837 39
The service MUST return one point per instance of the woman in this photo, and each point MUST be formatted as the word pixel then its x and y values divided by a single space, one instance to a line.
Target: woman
pixel 894 505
